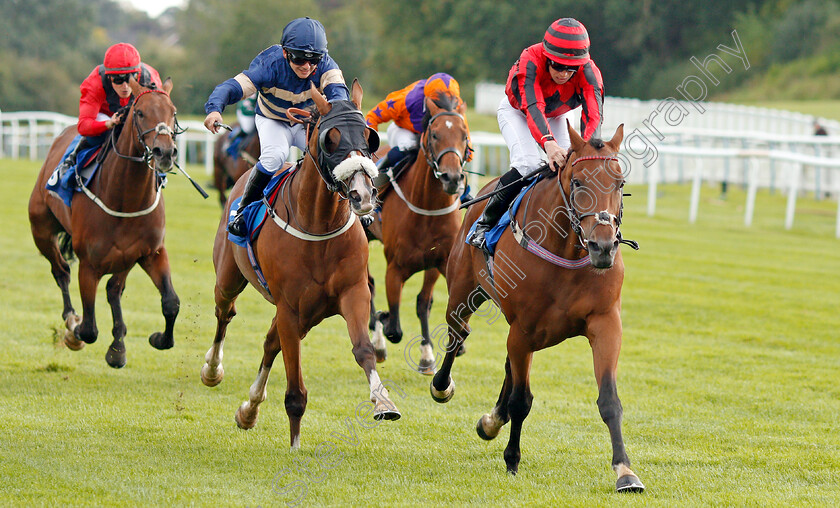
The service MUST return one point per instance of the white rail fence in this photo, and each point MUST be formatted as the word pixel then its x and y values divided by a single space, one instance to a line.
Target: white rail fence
pixel 791 161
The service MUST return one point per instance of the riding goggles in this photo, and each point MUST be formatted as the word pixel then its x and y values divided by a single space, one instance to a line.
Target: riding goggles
pixel 119 79
pixel 561 67
pixel 303 57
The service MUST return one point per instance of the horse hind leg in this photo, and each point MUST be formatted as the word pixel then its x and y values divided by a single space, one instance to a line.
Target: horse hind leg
pixel 115 357
pixel 377 337
pixel 157 267
pixel 427 364
pixel 213 372
pixel 48 237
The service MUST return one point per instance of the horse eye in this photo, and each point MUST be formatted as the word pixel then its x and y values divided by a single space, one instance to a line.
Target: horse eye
pixel 576 182
pixel 139 114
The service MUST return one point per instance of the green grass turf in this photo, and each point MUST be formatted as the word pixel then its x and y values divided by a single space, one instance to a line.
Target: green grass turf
pixel 728 378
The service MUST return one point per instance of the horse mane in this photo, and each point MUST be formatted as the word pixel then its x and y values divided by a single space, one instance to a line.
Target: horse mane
pixel 596 143
pixel 443 100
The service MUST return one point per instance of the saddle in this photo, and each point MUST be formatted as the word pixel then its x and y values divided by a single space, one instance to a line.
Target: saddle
pixel 492 237
pixel 88 161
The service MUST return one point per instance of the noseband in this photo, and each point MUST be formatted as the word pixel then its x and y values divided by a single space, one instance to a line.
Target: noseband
pixel 431 159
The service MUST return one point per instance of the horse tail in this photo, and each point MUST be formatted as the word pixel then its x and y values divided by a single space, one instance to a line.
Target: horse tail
pixel 65 246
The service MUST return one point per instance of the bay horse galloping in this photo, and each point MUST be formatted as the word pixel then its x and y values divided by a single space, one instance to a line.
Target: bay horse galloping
pixel 420 220
pixel 227 169
pixel 557 273
pixel 314 264
pixel 119 222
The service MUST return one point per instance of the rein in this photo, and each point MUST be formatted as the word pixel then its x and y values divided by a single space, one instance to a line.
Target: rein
pixel 416 209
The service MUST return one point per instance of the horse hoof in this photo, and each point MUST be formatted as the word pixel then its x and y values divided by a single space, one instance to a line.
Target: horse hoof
pixel 394 338
pixel 78 334
pixel 385 411
pixel 381 355
pixel 115 357
pixel 159 341
pixel 209 380
pixel 444 396
pixel 479 429
pixel 242 420
pixel 72 342
pixel 629 483
pixel 426 367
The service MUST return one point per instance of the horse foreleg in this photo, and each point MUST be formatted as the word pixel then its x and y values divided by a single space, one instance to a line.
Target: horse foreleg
pixel 427 362
pixel 394 281
pixel 490 424
pixel 246 415
pixel 352 307
pixel 604 334
pixel 296 393
pixel 463 300
pixel 115 357
pixel 377 336
pixel 88 282
pixel 157 267
pixel 519 402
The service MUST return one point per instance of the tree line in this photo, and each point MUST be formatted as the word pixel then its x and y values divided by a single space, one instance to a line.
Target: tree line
pixel 643 47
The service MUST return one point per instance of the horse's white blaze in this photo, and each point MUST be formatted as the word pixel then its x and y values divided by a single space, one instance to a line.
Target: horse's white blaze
pixel 377 389
pixel 448 124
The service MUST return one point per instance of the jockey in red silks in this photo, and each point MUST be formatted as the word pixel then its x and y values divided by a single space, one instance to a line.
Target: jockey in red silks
pixel 548 81
pixel 105 92
pixel 406 108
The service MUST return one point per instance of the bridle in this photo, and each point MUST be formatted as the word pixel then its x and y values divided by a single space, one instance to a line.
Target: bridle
pixel 603 217
pixel 161 129
pixel 434 160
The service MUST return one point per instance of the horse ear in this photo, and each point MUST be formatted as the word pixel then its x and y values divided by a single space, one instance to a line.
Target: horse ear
pixel 136 88
pixel 167 85
pixel 577 141
pixel 617 138
pixel 321 103
pixel 462 108
pixel 430 105
pixel 356 93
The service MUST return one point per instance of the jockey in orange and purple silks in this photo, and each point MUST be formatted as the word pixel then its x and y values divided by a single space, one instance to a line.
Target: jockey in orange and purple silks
pixel 406 108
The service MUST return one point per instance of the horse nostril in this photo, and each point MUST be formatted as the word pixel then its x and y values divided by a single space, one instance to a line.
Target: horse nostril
pixel 157 152
pixel 354 196
pixel 175 152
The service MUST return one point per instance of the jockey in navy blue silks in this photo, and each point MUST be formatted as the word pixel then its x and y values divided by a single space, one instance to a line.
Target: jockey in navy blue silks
pixel 281 75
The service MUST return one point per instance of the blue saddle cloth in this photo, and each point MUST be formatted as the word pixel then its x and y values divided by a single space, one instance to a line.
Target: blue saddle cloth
pixel 256 213
pixel 67 186
pixel 492 237
pixel 235 139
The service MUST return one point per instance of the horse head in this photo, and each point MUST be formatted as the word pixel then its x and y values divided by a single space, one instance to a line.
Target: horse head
pixel 444 140
pixel 152 118
pixel 341 143
pixel 593 181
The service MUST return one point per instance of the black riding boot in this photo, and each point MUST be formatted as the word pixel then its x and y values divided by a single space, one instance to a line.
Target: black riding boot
pixel 253 191
pixel 70 160
pixel 497 205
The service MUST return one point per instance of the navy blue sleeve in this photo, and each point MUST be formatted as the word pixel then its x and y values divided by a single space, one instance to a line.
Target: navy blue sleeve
pixel 226 93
